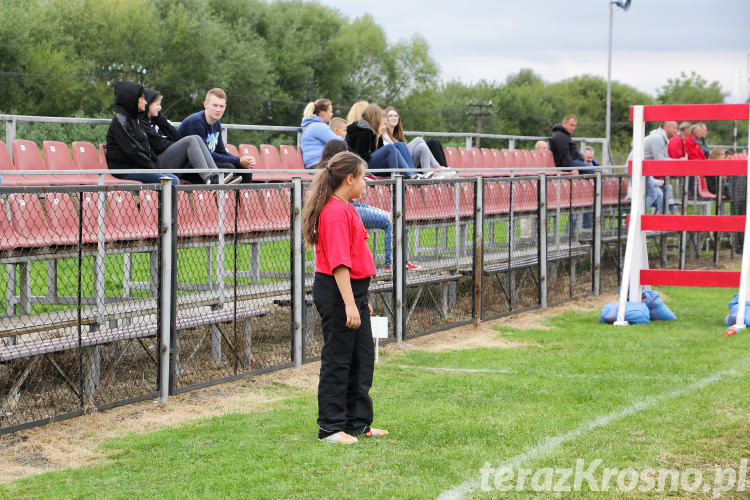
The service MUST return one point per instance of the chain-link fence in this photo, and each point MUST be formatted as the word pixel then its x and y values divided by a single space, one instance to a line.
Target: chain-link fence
pixel 109 289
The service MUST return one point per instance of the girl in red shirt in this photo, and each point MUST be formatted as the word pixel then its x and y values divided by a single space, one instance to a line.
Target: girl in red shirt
pixel 343 268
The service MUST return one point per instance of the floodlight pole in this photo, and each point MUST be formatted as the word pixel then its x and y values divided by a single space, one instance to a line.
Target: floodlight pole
pixel 608 156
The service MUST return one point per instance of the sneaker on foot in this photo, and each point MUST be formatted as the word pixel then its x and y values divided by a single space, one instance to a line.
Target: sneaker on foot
pixel 235 180
pixel 410 265
pixel 228 177
pixel 388 269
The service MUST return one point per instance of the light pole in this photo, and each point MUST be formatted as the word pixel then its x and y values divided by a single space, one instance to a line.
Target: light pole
pixel 624 5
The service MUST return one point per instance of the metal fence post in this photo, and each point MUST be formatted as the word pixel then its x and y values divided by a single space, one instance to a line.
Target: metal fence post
pixel 298 271
pixel 597 236
pixel 542 246
pixel 166 297
pixel 10 135
pixel 478 249
pixel 399 260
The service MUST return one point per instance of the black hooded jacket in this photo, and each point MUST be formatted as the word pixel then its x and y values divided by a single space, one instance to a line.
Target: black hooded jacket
pixel 127 142
pixel 563 148
pixel 361 139
pixel 161 134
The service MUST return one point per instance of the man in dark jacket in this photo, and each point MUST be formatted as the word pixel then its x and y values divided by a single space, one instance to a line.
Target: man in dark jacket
pixel 564 149
pixel 127 143
pixel 566 154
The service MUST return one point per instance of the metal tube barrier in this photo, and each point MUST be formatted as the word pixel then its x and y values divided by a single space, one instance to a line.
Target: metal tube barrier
pixel 542 246
pixel 165 285
pixel 298 271
pixel 597 234
pixel 399 322
pixel 478 249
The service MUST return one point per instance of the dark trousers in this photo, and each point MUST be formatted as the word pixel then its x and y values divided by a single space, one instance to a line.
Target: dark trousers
pixel 347 360
pixel 436 148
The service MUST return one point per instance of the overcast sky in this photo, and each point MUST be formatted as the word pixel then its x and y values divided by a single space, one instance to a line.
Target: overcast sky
pixel 654 41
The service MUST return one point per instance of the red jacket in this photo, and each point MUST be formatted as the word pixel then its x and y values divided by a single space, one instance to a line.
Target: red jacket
pixel 676 147
pixel 694 151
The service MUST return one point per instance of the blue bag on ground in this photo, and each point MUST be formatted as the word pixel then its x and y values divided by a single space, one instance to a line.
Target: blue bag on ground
pixel 657 309
pixel 636 313
pixel 731 318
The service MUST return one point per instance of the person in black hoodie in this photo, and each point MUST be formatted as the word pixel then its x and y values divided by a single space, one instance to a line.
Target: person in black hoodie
pixel 175 152
pixel 563 147
pixel 128 146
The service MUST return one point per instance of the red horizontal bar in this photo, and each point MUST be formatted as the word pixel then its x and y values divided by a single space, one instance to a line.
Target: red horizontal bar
pixel 694 112
pixel 722 223
pixel 676 277
pixel 676 168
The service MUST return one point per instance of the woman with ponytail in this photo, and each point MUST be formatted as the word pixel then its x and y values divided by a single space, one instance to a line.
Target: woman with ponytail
pixel 316 132
pixel 343 268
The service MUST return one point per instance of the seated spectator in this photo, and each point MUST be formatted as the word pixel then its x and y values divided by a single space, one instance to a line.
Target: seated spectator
pixel 676 147
pixel 316 132
pixel 693 142
pixel 541 146
pixel 363 138
pixel 173 152
pixel 355 112
pixel 418 148
pixel 588 156
pixel 655 148
pixel 206 125
pixel 338 125
pixel 564 149
pixel 712 182
pixel 372 217
pixel 127 143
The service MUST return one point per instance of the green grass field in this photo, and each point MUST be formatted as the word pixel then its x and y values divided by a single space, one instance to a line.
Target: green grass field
pixel 665 395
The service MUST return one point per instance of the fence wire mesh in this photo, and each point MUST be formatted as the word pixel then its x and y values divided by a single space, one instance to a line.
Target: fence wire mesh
pixel 81 284
pixel 233 282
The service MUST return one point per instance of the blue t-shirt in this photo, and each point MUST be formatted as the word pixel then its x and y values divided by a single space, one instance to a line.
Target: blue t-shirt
pixel 196 124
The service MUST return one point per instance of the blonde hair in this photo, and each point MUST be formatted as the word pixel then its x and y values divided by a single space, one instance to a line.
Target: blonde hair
pixel 337 122
pixel 355 112
pixel 331 175
pixel 308 111
pixel 216 92
pixel 717 154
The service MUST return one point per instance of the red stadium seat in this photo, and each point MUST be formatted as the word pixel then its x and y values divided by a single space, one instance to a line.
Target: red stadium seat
pixel 271 161
pixel 30 223
pixel 85 157
pixel 496 198
pixel 62 216
pixel 466 199
pixel 8 237
pixel 291 160
pixel 7 164
pixel 232 149
pixel 276 207
pixel 90 223
pixel 124 219
pixel 149 203
pixel 414 202
pixel 524 196
pixel 452 158
pixel 251 216
pixel 378 195
pixel 439 201
pixel 57 157
pixel 509 159
pixel 26 156
pixel 583 193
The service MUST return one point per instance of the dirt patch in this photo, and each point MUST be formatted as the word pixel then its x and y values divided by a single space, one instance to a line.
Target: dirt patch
pixel 74 443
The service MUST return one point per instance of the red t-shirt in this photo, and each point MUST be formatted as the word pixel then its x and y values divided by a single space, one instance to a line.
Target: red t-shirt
pixel 694 151
pixel 342 241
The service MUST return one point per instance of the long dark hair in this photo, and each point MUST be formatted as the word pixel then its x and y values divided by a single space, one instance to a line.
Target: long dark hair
pixel 397 133
pixel 330 176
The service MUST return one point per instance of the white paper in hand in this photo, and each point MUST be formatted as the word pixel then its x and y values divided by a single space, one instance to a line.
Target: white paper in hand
pixel 379 325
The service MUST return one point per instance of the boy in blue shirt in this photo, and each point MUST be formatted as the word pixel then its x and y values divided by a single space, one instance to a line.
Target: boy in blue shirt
pixel 207 126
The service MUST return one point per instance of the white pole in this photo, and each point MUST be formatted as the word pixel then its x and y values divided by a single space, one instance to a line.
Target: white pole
pixel 740 323
pixel 633 255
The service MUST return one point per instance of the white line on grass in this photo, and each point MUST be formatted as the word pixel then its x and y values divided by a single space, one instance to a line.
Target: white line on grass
pixel 456 370
pixel 549 444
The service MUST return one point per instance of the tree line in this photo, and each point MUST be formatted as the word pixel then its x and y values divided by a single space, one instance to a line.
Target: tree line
pixel 60 58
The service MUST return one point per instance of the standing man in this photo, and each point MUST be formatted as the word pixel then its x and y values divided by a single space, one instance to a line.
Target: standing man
pixel 207 126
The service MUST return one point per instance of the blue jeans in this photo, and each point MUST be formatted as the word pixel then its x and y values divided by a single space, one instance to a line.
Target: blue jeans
pixel 150 178
pixel 654 195
pixel 389 157
pixel 583 171
pixel 373 217
pixel 404 150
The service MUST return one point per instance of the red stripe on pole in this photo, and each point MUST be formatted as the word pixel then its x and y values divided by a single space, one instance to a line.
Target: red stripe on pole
pixel 678 168
pixel 676 277
pixel 694 112
pixel 722 223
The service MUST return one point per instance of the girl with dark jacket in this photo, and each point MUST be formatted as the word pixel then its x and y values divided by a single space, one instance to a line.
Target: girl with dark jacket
pixel 127 143
pixel 362 138
pixel 175 152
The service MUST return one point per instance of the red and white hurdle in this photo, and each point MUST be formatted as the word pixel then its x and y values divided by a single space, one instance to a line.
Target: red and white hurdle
pixel 636 274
